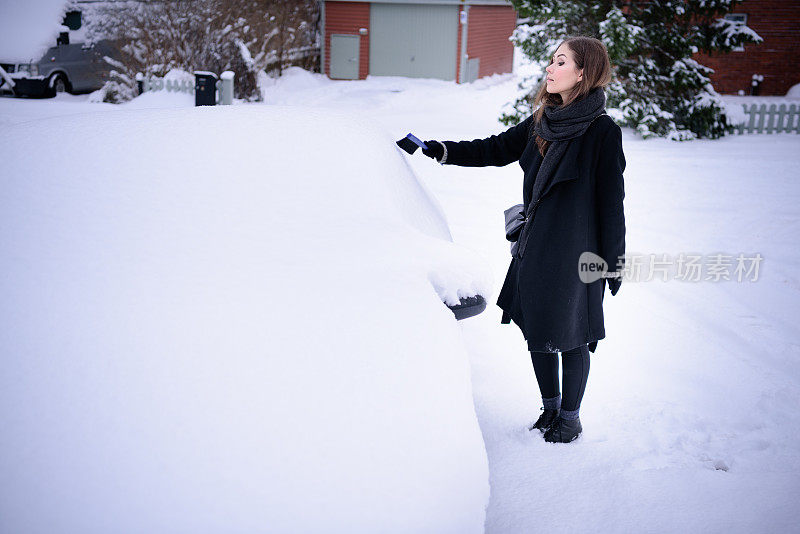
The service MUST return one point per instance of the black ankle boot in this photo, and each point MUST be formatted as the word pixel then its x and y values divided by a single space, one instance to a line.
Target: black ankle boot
pixel 563 430
pixel 545 420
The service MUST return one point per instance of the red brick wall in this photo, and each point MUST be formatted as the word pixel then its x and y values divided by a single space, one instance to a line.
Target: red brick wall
pixel 347 18
pixel 487 38
pixel 776 57
pixel 458 44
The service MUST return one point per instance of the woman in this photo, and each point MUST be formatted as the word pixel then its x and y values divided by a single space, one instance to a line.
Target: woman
pixel 571 152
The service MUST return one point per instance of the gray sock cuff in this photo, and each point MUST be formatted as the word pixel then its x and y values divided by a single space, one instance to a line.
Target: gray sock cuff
pixel 569 414
pixel 553 403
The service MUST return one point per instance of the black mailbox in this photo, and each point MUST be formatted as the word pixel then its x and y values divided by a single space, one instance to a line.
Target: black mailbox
pixel 205 88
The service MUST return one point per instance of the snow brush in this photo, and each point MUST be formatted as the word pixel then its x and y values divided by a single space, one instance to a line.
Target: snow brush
pixel 410 144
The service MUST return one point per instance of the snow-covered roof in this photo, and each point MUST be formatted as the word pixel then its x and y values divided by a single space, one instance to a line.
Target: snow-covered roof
pixel 29 28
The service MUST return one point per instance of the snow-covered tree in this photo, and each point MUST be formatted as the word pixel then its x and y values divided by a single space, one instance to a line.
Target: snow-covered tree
pixel 247 37
pixel 658 88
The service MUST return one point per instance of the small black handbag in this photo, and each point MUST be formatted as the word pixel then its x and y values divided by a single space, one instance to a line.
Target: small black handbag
pixel 515 220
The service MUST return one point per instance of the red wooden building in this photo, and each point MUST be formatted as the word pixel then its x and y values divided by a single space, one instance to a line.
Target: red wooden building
pixel 444 39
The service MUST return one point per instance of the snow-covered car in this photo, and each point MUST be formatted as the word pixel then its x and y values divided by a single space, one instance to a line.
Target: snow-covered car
pixel 41 58
pixel 73 68
pixel 231 319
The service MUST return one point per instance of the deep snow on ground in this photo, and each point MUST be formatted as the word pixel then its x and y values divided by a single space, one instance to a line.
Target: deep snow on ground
pixel 690 419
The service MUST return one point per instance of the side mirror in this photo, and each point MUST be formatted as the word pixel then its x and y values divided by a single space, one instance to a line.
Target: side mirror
pixel 468 307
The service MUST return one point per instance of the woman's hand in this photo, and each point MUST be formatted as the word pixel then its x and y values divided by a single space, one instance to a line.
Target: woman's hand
pixel 434 150
pixel 614 285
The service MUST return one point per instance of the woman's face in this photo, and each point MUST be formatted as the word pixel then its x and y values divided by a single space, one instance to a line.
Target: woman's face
pixel 562 73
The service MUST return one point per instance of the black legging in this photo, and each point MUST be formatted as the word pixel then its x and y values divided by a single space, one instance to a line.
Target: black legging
pixel 575 364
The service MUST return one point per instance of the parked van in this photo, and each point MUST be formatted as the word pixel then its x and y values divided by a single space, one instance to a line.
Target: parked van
pixel 74 67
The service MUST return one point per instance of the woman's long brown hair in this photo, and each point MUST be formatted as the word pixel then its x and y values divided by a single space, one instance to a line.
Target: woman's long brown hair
pixel 590 55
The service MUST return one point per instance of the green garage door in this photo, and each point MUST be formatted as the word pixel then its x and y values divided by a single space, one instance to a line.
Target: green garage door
pixel 344 56
pixel 414 40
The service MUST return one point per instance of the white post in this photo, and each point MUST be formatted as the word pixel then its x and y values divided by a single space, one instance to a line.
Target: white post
pixel 462 55
pixel 226 91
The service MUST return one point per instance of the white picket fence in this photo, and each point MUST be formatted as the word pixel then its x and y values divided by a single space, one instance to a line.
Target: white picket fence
pixel 153 83
pixel 224 86
pixel 770 119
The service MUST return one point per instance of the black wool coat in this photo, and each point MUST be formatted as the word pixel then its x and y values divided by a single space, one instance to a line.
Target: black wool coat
pixel 580 210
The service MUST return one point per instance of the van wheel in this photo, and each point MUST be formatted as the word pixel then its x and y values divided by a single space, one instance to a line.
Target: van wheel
pixel 58 84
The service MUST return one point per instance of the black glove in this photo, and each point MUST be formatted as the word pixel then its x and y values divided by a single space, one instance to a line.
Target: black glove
pixel 614 285
pixel 434 150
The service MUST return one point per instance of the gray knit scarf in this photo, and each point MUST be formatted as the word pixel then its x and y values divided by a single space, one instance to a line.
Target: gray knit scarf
pixel 560 124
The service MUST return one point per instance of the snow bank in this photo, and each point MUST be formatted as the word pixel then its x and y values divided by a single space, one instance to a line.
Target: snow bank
pixel 161 99
pixel 299 78
pixel 28 29
pixel 223 319
pixel 768 100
